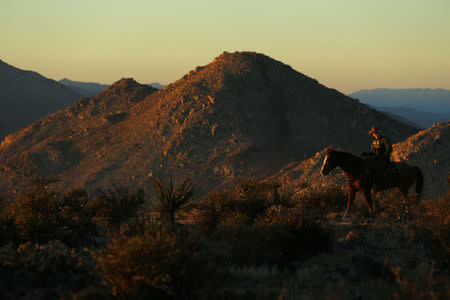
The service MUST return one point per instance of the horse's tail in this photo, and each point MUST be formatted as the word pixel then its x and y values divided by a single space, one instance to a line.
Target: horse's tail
pixel 419 182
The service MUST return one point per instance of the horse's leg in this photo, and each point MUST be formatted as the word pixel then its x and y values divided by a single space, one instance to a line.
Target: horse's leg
pixel 368 196
pixel 351 198
pixel 404 192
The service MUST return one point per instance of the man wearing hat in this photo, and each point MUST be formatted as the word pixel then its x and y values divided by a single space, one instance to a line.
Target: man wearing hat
pixel 381 148
pixel 378 159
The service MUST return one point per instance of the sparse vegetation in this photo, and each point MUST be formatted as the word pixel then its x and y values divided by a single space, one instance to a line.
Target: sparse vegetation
pixel 244 242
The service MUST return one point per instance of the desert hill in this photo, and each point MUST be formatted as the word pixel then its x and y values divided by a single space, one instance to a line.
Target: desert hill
pixel 242 115
pixel 26 96
pixel 429 149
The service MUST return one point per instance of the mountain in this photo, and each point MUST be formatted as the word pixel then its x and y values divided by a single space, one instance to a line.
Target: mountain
pixel 85 89
pixel 420 106
pixel 420 119
pixel 88 89
pixel 242 115
pixel 26 96
pixel 156 85
pixel 399 118
pixel 427 100
pixel 429 149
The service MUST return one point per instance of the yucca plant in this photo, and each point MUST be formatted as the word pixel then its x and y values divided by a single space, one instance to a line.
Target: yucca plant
pixel 172 198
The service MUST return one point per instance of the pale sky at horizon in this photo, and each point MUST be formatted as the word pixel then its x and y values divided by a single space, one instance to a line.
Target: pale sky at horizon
pixel 347 45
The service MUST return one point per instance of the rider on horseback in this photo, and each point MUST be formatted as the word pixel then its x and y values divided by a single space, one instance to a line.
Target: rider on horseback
pixel 381 148
pixel 378 158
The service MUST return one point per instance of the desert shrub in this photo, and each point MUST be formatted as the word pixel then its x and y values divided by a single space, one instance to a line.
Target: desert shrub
pixel 8 229
pixel 278 214
pixel 327 201
pixel 423 284
pixel 436 217
pixel 272 244
pixel 41 215
pixel 216 208
pixel 247 198
pixel 173 198
pixel 117 205
pixel 390 206
pixel 142 221
pixel 49 270
pixel 37 213
pixel 279 236
pixel 159 263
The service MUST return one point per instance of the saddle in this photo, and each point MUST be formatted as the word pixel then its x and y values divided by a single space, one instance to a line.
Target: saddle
pixel 378 168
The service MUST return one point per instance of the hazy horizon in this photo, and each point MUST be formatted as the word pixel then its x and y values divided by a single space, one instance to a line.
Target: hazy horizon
pixel 346 45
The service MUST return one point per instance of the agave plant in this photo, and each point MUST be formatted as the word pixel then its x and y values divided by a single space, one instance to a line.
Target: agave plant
pixel 173 198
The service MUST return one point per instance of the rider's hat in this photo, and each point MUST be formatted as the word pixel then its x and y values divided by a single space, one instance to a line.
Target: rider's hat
pixel 374 130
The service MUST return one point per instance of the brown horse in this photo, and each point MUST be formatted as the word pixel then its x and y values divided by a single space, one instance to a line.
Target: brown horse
pixel 360 178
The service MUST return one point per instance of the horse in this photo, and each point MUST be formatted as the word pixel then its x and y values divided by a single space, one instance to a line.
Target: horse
pixel 359 177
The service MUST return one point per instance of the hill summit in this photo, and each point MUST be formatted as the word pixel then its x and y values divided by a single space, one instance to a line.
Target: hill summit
pixel 244 114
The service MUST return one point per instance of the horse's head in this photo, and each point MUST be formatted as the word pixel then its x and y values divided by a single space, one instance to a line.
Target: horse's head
pixel 329 163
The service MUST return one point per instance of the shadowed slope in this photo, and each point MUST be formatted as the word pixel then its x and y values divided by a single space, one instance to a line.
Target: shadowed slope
pixel 26 96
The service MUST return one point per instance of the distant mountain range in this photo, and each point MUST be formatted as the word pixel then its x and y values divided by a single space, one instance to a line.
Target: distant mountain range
pixel 420 119
pixel 85 89
pixel 420 106
pixel 242 115
pixel 26 96
pixel 88 89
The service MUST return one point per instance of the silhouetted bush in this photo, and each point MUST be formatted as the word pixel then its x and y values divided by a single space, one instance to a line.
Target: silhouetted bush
pixel 142 221
pixel 8 228
pixel 38 213
pixel 327 201
pixel 273 244
pixel 390 206
pixel 159 263
pixel 117 205
pixel 261 228
pixel 50 270
pixel 41 215
pixel 173 198
pixel 423 285
pixel 436 217
pixel 248 198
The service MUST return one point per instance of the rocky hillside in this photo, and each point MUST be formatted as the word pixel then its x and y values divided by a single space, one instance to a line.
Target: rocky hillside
pixel 429 149
pixel 26 96
pixel 242 115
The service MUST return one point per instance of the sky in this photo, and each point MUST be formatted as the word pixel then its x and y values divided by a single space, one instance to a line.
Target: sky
pixel 345 44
